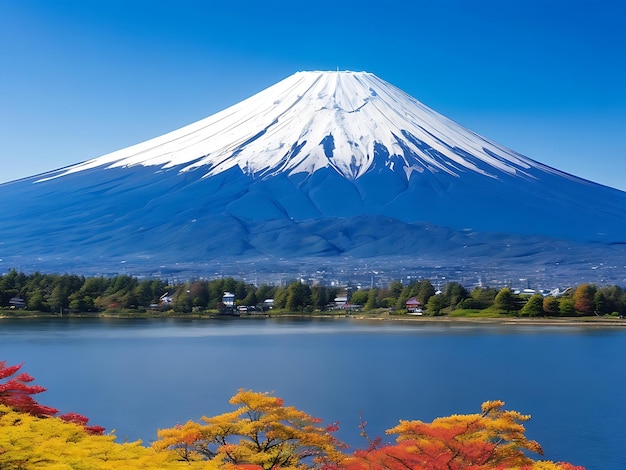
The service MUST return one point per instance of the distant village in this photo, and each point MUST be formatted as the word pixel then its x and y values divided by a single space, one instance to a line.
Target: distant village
pixel 341 288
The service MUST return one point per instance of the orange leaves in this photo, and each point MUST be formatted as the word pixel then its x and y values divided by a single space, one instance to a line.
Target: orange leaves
pixel 492 439
pixel 261 433
pixel 264 434
pixel 185 440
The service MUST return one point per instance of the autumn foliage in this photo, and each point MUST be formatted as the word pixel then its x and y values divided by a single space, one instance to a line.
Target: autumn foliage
pixel 492 439
pixel 261 433
pixel 16 392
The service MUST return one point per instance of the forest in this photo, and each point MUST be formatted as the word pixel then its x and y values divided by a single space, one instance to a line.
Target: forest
pixel 68 293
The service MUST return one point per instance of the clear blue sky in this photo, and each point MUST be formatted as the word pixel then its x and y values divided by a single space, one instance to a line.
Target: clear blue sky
pixel 81 78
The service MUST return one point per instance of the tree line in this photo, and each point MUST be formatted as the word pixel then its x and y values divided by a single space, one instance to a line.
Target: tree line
pixel 71 293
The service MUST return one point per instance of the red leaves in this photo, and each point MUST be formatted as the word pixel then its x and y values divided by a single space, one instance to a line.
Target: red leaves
pixel 16 392
pixel 8 371
pixel 333 427
pixel 262 433
pixel 82 421
pixel 494 439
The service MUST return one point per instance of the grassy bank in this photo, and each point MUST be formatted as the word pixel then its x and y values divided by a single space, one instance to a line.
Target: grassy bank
pixel 458 316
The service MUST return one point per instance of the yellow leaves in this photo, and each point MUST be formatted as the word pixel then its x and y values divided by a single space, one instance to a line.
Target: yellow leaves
pixel 493 405
pixel 51 443
pixel 181 440
pixel 546 465
pixel 261 432
pixel 464 435
pixel 264 434
pixel 256 401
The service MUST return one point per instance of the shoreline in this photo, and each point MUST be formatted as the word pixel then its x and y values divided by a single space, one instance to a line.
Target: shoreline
pixel 594 322
pixel 518 321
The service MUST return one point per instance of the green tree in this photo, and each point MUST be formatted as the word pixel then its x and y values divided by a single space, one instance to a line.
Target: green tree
pixel 241 290
pixel 216 291
pixel 298 296
pixel 122 284
pixel 80 303
pixel 280 297
pixel 12 281
pixel 183 301
pixel 319 297
pixel 250 298
pixel 403 297
pixel 610 300
pixel 395 288
pixel 436 304
pixel 455 293
pixel 359 297
pixel 37 303
pixel 505 300
pixel 534 306
pixel 480 298
pixel 425 291
pixel 148 292
pixel 371 303
pixel 58 299
pixel 95 286
pixel 566 307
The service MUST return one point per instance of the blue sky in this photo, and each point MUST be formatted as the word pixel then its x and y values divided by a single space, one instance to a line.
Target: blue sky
pixel 81 78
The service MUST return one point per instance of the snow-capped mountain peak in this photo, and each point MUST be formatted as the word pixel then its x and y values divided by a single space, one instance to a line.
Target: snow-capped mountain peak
pixel 321 164
pixel 311 120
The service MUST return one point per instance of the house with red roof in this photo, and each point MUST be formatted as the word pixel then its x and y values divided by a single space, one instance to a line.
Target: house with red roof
pixel 414 306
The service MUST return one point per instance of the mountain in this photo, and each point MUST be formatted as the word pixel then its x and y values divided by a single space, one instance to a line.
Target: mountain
pixel 319 165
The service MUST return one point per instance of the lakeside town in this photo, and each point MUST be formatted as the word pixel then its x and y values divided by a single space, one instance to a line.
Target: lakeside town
pixel 439 296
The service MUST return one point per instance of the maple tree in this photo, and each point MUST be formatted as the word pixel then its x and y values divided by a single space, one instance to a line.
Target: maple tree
pixel 261 433
pixel 17 392
pixel 492 439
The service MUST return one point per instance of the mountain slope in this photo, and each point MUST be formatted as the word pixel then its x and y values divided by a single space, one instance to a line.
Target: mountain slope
pixel 320 164
pixel 347 121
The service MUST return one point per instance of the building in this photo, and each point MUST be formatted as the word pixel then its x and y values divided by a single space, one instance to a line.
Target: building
pixel 228 299
pixel 17 302
pixel 414 306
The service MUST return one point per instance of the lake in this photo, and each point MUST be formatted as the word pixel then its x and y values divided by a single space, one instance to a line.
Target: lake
pixel 136 376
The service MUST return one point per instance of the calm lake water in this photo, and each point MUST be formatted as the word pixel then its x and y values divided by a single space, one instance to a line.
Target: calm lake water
pixel 136 376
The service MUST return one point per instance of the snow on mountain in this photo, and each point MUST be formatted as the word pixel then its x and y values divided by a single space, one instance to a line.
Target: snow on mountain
pixel 322 164
pixel 313 120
